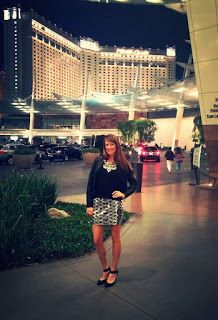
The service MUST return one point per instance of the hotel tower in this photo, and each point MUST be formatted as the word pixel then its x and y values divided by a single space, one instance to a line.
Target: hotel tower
pixel 41 54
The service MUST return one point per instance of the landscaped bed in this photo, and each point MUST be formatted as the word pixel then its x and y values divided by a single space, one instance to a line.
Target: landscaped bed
pixel 28 234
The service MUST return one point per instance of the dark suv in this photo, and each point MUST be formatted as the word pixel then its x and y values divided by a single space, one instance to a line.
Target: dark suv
pixel 150 153
pixel 6 157
pixel 64 153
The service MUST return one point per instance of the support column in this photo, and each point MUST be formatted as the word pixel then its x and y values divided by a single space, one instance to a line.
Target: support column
pixel 203 28
pixel 180 110
pixel 31 124
pixel 211 139
pixel 178 122
pixel 83 111
pixel 133 97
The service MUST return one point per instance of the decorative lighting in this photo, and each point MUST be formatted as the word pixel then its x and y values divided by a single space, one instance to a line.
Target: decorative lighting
pixel 154 100
pixel 193 93
pixel 155 1
pixel 181 89
pixel 144 97
pixel 165 103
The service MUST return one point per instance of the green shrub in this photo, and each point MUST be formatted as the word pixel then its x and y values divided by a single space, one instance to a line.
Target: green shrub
pixel 23 198
pixel 91 150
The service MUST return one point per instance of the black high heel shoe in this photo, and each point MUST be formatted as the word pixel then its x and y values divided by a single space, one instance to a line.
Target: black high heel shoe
pixel 110 284
pixel 100 282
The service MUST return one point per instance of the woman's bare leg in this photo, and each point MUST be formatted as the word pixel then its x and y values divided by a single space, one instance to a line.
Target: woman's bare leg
pixel 116 251
pixel 98 232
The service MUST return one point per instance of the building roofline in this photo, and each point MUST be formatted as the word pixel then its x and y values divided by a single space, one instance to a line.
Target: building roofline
pixel 32 14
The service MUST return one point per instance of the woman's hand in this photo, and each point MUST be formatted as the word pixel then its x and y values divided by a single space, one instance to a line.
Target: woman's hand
pixel 118 194
pixel 89 211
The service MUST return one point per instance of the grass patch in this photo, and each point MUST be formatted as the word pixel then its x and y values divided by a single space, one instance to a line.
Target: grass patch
pixel 67 237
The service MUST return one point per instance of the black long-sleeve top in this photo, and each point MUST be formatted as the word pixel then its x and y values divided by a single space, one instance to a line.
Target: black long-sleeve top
pixel 102 184
pixel 169 155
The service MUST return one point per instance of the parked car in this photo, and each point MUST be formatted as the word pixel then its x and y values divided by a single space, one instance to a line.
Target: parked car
pixel 45 146
pixel 64 153
pixel 150 153
pixel 140 146
pixel 10 147
pixel 6 157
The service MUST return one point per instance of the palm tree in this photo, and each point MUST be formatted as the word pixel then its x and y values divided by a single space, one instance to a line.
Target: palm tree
pixel 127 129
pixel 198 134
pixel 146 130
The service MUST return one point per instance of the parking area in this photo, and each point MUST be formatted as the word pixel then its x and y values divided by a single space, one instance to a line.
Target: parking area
pixel 71 176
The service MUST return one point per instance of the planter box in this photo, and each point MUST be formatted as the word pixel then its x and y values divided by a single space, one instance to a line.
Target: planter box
pixel 89 157
pixel 24 161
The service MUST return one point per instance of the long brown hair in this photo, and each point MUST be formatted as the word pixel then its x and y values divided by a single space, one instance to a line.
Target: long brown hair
pixel 119 156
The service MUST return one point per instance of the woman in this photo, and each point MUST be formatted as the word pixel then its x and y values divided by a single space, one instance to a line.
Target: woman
pixel 107 187
pixel 178 158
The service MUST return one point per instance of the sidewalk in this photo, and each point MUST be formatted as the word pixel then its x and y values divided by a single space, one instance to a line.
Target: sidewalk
pixel 168 268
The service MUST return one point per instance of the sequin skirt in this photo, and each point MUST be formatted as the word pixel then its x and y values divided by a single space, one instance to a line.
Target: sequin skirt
pixel 107 211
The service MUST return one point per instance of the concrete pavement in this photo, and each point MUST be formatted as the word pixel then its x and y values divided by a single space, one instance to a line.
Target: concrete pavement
pixel 168 268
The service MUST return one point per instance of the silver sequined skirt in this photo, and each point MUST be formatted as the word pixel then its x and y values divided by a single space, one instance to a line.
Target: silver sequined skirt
pixel 107 211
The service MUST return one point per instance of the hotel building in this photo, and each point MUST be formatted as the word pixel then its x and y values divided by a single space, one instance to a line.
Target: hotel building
pixel 43 60
pixel 37 52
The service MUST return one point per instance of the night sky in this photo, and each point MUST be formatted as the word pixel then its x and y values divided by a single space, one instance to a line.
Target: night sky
pixel 146 26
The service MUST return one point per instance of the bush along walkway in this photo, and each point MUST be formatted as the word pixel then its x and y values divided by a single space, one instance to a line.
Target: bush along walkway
pixel 28 234
pixel 24 199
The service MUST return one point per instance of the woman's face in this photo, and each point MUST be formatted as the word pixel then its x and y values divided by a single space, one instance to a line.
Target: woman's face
pixel 110 148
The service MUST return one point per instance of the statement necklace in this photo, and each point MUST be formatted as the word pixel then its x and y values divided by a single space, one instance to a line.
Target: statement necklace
pixel 109 166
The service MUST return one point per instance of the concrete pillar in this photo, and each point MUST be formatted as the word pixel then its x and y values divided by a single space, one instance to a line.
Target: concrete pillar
pixel 83 111
pixel 203 28
pixel 178 122
pixel 132 107
pixel 133 97
pixel 31 124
